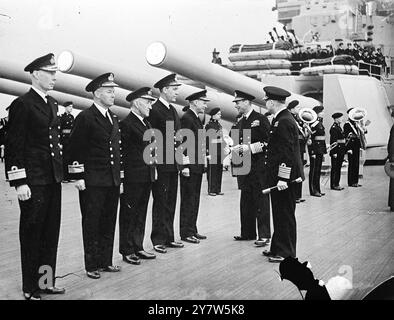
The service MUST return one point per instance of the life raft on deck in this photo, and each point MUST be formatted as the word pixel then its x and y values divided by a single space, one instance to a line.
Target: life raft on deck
pixel 260 65
pixel 260 55
pixel 259 74
pixel 329 69
pixel 279 45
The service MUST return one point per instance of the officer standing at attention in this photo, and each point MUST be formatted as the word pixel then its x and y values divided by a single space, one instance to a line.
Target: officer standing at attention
pixel 316 152
pixel 95 157
pixel 191 174
pixel 302 138
pixel 337 151
pixel 283 168
pixel 33 162
pixel 164 118
pixel 215 163
pixel 139 175
pixel 66 124
pixel 353 144
pixel 254 205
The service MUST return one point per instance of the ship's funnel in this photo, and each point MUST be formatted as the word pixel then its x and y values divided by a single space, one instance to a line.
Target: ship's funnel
pixel 162 56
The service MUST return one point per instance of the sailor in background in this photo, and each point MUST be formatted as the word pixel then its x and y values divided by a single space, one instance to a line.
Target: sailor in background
pixel 337 151
pixel 66 125
pixel 317 150
pixel 215 142
pixel 191 174
pixel 34 167
pixel 95 164
pixel 164 118
pixel 353 144
pixel 302 138
pixel 283 168
pixel 254 205
pixel 139 175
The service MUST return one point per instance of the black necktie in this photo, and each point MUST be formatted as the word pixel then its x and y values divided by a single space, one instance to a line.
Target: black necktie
pixel 108 117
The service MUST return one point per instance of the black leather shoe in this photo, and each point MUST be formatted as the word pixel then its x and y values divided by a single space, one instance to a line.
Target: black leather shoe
pixel 336 188
pixel 199 236
pixel 93 274
pixel 240 238
pixel 110 269
pixel 175 244
pixel 262 242
pixel 31 296
pixel 316 194
pixel 212 194
pixel 298 201
pixel 191 239
pixel 276 259
pixel 219 193
pixel 322 194
pixel 160 248
pixel 54 290
pixel 146 255
pixel 132 259
pixel 268 253
pixel 301 200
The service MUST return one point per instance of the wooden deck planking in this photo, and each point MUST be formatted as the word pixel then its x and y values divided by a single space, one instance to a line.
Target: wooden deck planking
pixel 336 230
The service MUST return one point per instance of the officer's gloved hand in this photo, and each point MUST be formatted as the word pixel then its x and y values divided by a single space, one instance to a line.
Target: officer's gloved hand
pixel 23 192
pixel 186 172
pixel 350 151
pixel 80 185
pixel 282 185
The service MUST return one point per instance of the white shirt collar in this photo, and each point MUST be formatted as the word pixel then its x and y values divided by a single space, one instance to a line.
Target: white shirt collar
pixel 103 111
pixel 139 117
pixel 248 114
pixel 194 112
pixel 164 102
pixel 279 111
pixel 41 94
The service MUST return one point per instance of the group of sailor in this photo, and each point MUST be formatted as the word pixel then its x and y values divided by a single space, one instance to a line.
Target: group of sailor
pixel 110 160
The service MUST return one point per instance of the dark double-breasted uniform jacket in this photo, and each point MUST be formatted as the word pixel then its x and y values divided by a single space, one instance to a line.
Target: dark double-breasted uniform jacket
pixel 283 150
pixel 337 140
pixel 318 146
pixel 215 142
pixel 33 140
pixel 133 146
pixel 259 126
pixel 95 143
pixel 191 121
pixel 284 163
pixel 352 135
pixel 158 117
pixel 33 146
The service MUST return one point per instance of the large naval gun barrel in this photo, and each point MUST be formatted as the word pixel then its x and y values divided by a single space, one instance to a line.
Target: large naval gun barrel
pixel 14 88
pixel 65 83
pixel 162 56
pixel 78 65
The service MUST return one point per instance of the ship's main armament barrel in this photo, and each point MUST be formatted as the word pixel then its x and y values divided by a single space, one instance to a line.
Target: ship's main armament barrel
pixel 14 88
pixel 72 63
pixel 66 83
pixel 174 59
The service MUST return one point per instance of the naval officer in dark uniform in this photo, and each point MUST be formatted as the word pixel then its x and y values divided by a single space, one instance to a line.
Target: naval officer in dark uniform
pixel 191 174
pixel 66 125
pixel 34 167
pixel 139 175
pixel 164 118
pixel 254 205
pixel 337 151
pixel 317 150
pixel 302 139
pixel 283 168
pixel 352 134
pixel 215 143
pixel 95 164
